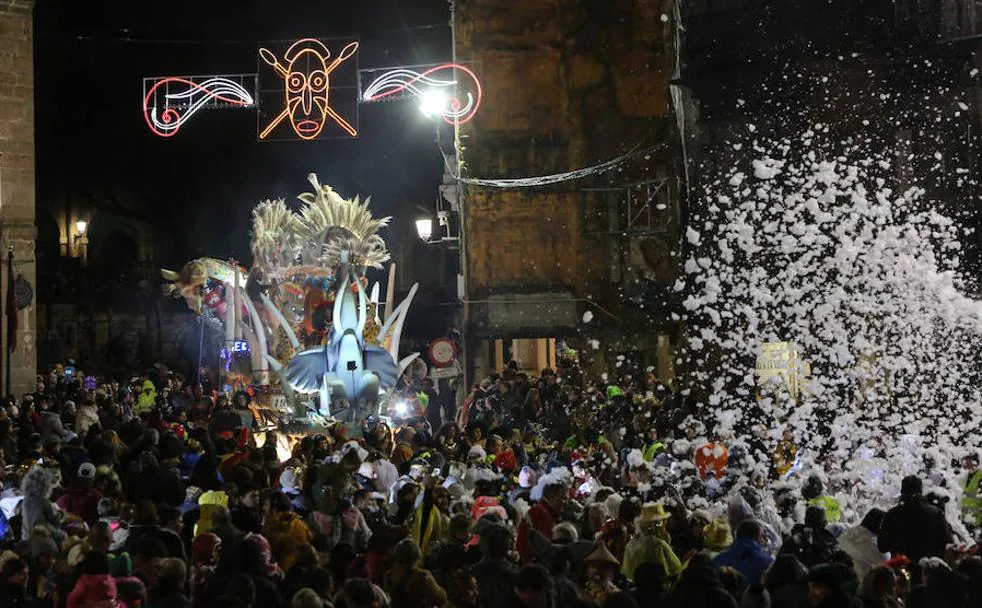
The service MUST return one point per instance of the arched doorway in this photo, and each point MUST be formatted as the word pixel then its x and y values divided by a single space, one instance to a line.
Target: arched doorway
pixel 113 253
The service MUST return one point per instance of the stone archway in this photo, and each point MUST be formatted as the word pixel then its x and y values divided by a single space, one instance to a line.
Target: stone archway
pixel 113 252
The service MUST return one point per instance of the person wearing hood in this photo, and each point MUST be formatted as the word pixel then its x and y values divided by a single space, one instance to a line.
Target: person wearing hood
pixel 37 508
pixel 810 542
pixel 52 430
pixel 747 554
pixel 204 559
pixel 285 530
pixel 813 491
pixel 148 396
pixel 913 527
pixel 650 545
pixel 95 588
pixel 859 543
pixel 748 504
pixel 432 518
pixel 971 503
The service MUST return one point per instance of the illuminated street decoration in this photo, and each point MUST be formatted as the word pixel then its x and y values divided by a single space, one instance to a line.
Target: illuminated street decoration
pixel 438 89
pixel 306 73
pixel 169 102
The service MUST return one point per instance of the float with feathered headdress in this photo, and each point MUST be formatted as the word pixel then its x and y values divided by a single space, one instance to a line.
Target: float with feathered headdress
pixel 305 308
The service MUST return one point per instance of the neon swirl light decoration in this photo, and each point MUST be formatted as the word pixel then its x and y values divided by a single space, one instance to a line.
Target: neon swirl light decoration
pixel 420 84
pixel 306 74
pixel 181 106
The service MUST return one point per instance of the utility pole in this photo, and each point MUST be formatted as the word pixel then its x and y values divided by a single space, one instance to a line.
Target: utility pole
pixel 11 311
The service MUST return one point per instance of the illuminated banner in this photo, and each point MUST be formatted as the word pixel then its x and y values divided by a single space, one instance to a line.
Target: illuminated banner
pixel 779 363
pixel 310 89
pixel 448 90
pixel 306 91
pixel 170 101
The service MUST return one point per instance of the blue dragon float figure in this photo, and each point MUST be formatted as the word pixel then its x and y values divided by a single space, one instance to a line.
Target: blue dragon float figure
pixel 318 331
pixel 346 365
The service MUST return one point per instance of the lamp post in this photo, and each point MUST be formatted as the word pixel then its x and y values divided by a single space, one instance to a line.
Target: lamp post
pixel 424 229
pixel 80 227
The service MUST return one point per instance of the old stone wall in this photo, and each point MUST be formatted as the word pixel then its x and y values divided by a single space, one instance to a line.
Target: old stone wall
pixel 17 182
pixel 566 85
pixel 117 342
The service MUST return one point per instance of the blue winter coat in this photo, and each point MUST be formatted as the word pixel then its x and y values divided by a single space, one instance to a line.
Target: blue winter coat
pixel 747 557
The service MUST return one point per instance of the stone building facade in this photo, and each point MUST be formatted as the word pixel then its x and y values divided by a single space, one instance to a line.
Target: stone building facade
pixel 17 183
pixel 586 262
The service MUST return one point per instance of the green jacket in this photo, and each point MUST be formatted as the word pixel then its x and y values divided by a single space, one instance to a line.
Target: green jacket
pixel 650 548
pixel 971 502
pixel 651 450
pixel 833 512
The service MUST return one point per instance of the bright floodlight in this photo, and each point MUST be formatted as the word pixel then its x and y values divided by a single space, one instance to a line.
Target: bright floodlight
pixel 432 103
pixel 80 226
pixel 424 228
pixel 401 408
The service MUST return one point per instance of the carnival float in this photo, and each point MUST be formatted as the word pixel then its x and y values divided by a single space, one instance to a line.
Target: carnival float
pixel 303 325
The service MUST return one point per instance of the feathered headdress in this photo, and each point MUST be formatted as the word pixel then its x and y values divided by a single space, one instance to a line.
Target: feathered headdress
pixel 328 230
pixel 334 225
pixel 275 231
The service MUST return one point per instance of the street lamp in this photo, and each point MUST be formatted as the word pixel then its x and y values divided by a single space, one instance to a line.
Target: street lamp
pixel 433 103
pixel 78 239
pixel 424 228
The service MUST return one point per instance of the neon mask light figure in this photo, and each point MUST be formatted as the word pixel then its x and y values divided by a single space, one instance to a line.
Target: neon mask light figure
pixel 307 87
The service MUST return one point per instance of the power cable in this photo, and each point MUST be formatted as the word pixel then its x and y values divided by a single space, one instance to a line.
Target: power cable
pixel 543 180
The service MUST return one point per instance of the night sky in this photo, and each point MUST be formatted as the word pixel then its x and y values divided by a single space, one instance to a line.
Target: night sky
pixel 198 188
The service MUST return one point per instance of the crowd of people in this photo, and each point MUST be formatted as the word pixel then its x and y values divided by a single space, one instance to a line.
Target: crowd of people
pixel 538 491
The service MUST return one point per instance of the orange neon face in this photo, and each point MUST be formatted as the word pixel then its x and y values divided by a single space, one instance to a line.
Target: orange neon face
pixel 307 87
pixel 307 93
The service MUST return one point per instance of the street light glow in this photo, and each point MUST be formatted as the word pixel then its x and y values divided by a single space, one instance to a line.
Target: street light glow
pixel 424 228
pixel 433 103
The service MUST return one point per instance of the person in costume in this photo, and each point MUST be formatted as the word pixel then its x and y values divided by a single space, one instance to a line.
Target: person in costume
pixel 601 566
pixel 971 500
pixel 650 545
pixel 813 491
pixel 432 520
